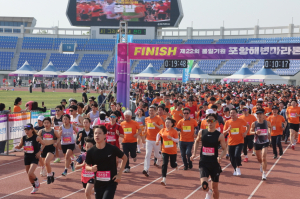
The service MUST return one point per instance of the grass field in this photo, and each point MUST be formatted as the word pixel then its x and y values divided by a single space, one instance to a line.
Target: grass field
pixel 49 98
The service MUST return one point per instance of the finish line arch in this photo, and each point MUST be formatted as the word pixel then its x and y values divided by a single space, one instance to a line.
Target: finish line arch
pixel 127 51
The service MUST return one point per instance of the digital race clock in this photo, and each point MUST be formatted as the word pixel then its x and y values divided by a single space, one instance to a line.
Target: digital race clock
pixel 115 31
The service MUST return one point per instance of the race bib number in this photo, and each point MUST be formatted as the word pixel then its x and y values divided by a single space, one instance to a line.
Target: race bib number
pixel 208 151
pixel 150 126
pixel 56 128
pixel 111 138
pixel 168 144
pixel 87 174
pixel 263 132
pixel 47 136
pixel 66 139
pixel 274 128
pixel 186 128
pixel 127 130
pixel 28 148
pixel 191 115
pixel 293 114
pixel 103 175
pixel 235 131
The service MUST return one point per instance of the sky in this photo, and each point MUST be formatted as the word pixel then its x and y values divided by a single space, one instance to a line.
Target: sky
pixel 204 14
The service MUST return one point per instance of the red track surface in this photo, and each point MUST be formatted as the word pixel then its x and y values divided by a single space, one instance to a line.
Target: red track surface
pixel 283 180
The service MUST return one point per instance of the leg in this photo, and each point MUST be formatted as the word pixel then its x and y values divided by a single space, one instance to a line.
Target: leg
pixel 156 152
pixel 30 172
pixel 189 154
pixel 48 158
pixel 215 188
pixel 68 158
pixel 110 190
pixel 264 158
pixel 245 146
pixel 126 151
pixel 164 166
pixel 183 148
pixel 132 149
pixel 250 141
pixel 259 156
pixel 89 190
pixel 231 151
pixel 292 136
pixel 149 148
pixel 173 160
pixel 238 151
pixel 278 142
pixel 274 138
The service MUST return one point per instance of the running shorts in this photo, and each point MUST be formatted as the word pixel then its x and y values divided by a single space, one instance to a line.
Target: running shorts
pixel 48 149
pixel 212 169
pixel 66 147
pixel 261 146
pixel 295 127
pixel 28 160
pixel 91 181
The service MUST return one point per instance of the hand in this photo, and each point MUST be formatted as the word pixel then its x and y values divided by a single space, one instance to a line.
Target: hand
pixel 55 145
pixel 38 155
pixel 229 129
pixel 192 158
pixel 258 132
pixel 117 178
pixel 17 147
pixel 154 123
pixel 219 160
pixel 135 135
pixel 157 143
pixel 94 168
pixel 117 132
pixel 195 136
pixel 169 137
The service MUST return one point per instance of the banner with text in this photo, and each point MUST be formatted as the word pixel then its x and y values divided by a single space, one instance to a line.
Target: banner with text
pixel 35 115
pixel 3 127
pixel 16 123
pixel 214 51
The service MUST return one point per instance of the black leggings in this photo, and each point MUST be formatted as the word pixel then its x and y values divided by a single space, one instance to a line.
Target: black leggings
pixel 276 140
pixel 173 162
pixel 106 191
pixel 129 148
pixel 248 143
pixel 235 155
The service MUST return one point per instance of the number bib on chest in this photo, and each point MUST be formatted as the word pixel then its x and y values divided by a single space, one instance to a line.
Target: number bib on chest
pixel 28 148
pixel 293 114
pixel 127 130
pixel 150 126
pixel 103 175
pixel 274 128
pixel 208 151
pixel 47 136
pixel 67 139
pixel 111 138
pixel 87 174
pixel 263 132
pixel 168 144
pixel 186 128
pixel 235 131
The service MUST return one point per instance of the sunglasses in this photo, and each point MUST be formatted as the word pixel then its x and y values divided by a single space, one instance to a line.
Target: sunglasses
pixel 113 117
pixel 57 110
pixel 210 120
pixel 71 110
pixel 245 109
pixel 186 113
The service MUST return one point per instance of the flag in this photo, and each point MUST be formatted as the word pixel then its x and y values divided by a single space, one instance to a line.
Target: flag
pixel 83 81
pixel 186 72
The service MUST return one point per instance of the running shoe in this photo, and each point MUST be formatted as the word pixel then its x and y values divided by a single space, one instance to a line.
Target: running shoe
pixel 209 194
pixel 293 147
pixel 72 166
pixel 234 173
pixel 65 172
pixel 49 180
pixel 253 154
pixel 43 172
pixel 146 173
pixel 34 190
pixel 127 170
pixel 275 157
pixel 185 168
pixel 163 182
pixel 37 183
pixel 261 170
pixel 238 172
pixel 264 176
pixel 190 165
pixel 246 160
pixel 227 156
pixel 249 150
pixel 52 177
pixel 57 160
pixel 134 159
pixel 138 152
pixel 157 163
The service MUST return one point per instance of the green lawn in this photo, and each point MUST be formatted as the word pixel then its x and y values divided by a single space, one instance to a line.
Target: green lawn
pixel 49 98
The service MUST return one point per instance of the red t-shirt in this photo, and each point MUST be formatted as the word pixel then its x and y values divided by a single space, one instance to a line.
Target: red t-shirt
pixel 162 9
pixel 111 136
pixel 193 111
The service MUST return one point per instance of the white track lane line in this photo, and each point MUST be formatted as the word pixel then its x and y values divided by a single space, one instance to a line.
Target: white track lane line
pixel 31 186
pixel 151 182
pixel 11 162
pixel 260 183
pixel 201 185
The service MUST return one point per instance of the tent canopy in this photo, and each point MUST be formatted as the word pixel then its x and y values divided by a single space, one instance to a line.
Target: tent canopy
pixel 241 74
pixel 197 74
pixel 266 75
pixel 170 74
pixel 49 71
pixel 148 74
pixel 97 72
pixel 25 70
pixel 74 71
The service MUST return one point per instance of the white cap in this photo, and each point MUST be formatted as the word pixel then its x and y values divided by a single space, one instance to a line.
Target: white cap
pixel 260 99
pixel 210 111
pixel 41 118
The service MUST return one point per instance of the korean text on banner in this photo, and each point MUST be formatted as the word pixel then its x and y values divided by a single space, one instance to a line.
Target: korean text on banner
pixel 214 51
pixel 16 123
pixel 35 115
pixel 3 127
pixel 187 71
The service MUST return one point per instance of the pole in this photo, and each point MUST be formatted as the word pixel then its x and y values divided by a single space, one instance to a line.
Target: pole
pixel 108 94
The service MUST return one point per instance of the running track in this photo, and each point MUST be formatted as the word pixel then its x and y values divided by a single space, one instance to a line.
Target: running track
pixel 282 181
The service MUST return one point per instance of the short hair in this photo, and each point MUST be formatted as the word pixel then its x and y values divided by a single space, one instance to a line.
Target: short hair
pixel 103 128
pixel 80 104
pixel 68 116
pixel 161 106
pixel 88 119
pixel 172 120
pixel 153 106
pixel 234 109
pixel 74 100
pixel 89 140
pixel 60 107
pixel 2 106
pixel 186 109
pixel 214 106
pixel 212 115
pixel 47 119
pixel 128 112
pixel 178 103
pixel 94 104
pixel 294 100
pixel 73 107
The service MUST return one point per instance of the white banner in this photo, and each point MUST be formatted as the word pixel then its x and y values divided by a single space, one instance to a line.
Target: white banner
pixel 16 123
pixel 3 127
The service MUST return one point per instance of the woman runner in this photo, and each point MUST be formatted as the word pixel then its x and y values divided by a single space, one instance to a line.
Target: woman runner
pixel 94 113
pixel 140 118
pixel 85 132
pixel 32 153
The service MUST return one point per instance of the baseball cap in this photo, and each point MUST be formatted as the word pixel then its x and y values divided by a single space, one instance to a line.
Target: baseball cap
pixel 260 99
pixel 28 126
pixel 275 107
pixel 41 118
pixel 260 111
pixel 210 111
pixel 205 104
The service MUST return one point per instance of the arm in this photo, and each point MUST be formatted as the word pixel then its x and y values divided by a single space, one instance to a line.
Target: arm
pixel 58 135
pixel 252 129
pixel 74 129
pixel 223 145
pixel 196 144
pixel 20 144
pixel 80 119
pixel 269 130
pixel 157 139
pixel 78 165
pixel 247 129
pixel 138 133
pixel 117 178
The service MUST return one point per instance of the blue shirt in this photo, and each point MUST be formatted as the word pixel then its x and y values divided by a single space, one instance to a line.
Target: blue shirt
pixel 147 114
pixel 101 98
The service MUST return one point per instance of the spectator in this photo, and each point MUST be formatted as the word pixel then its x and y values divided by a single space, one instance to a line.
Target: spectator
pixel 17 104
pixel 3 111
pixel 33 106
pixel 101 99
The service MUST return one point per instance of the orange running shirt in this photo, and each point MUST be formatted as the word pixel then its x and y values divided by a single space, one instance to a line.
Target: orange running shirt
pixel 187 128
pixel 291 112
pixel 151 129
pixel 236 132
pixel 130 129
pixel 276 123
pixel 169 146
pixel 249 119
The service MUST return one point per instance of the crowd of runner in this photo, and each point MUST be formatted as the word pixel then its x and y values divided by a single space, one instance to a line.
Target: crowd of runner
pixel 227 120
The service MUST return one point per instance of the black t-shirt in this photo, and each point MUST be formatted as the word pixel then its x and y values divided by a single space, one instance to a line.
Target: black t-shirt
pixel 37 128
pixel 210 144
pixel 85 97
pixel 105 159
